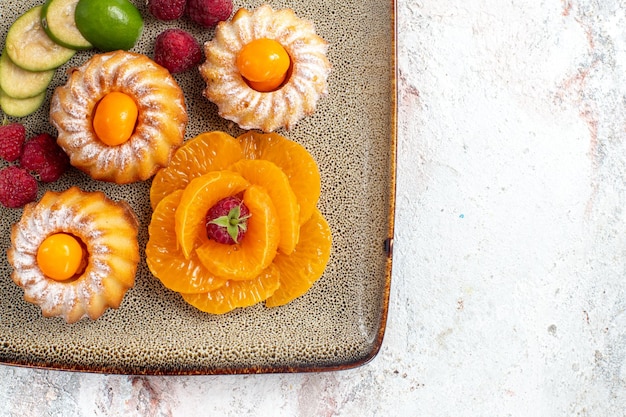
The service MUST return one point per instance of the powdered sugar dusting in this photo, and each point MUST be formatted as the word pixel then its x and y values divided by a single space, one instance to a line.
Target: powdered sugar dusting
pixel 157 95
pixel 266 111
pixel 80 214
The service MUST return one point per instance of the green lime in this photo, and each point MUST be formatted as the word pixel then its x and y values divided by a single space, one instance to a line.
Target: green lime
pixel 109 25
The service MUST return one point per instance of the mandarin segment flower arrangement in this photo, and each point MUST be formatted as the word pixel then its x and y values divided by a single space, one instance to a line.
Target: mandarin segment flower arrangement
pixel 280 242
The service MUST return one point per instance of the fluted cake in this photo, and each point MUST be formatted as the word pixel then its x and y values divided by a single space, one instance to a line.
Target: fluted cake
pixel 305 82
pixel 160 122
pixel 107 233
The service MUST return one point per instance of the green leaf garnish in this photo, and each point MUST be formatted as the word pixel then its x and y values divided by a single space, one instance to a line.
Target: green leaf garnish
pixel 233 222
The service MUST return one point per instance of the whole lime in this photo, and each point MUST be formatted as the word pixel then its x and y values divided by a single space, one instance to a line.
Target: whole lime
pixel 109 24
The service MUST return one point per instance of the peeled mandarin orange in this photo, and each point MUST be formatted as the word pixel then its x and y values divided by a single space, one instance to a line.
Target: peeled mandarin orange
pixel 257 248
pixel 235 294
pixel 166 261
pixel 210 151
pixel 269 176
pixel 293 159
pixel 114 118
pixel 198 197
pixel 300 270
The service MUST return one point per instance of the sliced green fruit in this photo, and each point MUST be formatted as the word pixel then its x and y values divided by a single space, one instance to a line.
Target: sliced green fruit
pixel 30 48
pixel 19 83
pixel 57 19
pixel 20 107
pixel 109 24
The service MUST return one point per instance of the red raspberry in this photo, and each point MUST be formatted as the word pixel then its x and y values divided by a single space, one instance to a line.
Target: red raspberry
pixel 17 187
pixel 167 9
pixel 45 158
pixel 12 137
pixel 209 13
pixel 227 220
pixel 177 50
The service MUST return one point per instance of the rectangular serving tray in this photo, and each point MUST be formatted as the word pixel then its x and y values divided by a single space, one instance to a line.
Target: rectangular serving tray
pixel 340 322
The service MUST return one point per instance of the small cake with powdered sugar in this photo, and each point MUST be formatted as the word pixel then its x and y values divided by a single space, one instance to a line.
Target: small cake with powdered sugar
pixel 75 253
pixel 265 69
pixel 119 117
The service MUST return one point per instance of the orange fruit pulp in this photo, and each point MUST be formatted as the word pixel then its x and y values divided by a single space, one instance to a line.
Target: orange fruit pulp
pixel 209 151
pixel 236 294
pixel 256 250
pixel 270 261
pixel 165 259
pixel 269 176
pixel 306 264
pixel 115 118
pixel 293 159
pixel 198 197
pixel 264 64
pixel 60 256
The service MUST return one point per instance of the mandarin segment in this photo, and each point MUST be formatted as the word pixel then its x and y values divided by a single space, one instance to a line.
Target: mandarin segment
pixel 300 270
pixel 257 248
pixel 236 294
pixel 210 151
pixel 199 196
pixel 166 261
pixel 269 176
pixel 293 159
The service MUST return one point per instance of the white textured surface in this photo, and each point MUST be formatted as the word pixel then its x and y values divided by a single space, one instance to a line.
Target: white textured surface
pixel 508 292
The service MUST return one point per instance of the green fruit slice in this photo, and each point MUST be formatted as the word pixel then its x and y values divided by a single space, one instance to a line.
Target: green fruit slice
pixel 109 24
pixel 57 19
pixel 30 48
pixel 19 83
pixel 17 107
